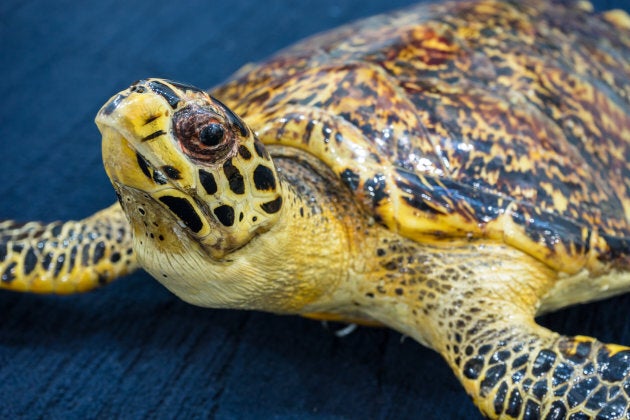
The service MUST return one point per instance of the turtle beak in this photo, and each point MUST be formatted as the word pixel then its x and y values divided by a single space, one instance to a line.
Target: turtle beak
pixel 114 102
pixel 122 122
pixel 120 159
pixel 110 107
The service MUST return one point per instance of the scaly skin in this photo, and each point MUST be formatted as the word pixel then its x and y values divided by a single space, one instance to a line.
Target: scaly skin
pixel 68 257
pixel 475 304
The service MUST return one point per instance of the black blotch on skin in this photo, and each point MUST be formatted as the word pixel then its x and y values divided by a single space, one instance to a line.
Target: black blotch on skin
pixel 235 179
pixel 85 256
pixel 351 179
pixel 138 88
pixel 154 135
pixel 165 92
pixel 598 400
pixel 561 374
pixel 9 273
pixel 171 172
pixel 151 119
pixel 543 362
pixel 499 398
pixel 225 214
pixel 264 179
pixel 244 152
pixel 581 390
pixel 144 165
pixel 61 259
pixel 492 378
pixel 500 356
pixel 159 177
pixel 473 367
pixel 260 149
pixel 30 261
pixel 614 409
pixel 272 206
pixel 72 258
pixel 614 368
pixel 376 188
pixel 3 252
pixel 306 136
pixel 532 410
pixel 207 182
pixel 99 252
pixel 115 257
pixel 56 230
pixel 514 403
pixel 557 411
pixel 184 210
pixel 520 361
pixel 47 260
pixel 485 349
pixel 539 390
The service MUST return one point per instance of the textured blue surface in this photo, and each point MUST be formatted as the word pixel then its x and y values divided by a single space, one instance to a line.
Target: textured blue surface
pixel 133 350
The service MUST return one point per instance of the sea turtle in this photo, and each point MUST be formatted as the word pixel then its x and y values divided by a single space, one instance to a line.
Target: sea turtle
pixel 450 171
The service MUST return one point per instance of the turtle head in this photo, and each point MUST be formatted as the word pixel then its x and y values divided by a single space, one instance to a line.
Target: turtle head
pixel 211 219
pixel 178 157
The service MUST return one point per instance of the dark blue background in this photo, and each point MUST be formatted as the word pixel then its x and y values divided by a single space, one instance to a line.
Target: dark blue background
pixel 132 349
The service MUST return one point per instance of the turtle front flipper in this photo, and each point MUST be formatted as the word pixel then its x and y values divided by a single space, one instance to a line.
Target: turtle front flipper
pixel 514 368
pixel 525 371
pixel 66 257
pixel 475 304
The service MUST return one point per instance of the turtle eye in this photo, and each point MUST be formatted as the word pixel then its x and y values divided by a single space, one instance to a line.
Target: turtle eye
pixel 211 134
pixel 202 135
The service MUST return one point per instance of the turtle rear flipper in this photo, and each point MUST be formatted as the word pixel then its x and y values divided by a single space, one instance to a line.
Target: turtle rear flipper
pixel 68 257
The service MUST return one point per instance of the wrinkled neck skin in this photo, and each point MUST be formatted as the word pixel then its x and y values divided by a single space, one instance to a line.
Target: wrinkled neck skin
pixel 324 259
pixel 285 269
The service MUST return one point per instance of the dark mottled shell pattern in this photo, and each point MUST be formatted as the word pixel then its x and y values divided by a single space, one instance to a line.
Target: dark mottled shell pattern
pixel 498 119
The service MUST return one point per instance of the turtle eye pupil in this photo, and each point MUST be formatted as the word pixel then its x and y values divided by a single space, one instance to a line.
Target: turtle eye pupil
pixel 211 135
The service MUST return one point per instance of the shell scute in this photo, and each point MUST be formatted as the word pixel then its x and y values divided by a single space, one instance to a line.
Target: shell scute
pixel 488 119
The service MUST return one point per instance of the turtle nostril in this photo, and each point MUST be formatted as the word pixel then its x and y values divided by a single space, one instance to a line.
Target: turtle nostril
pixel 138 89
